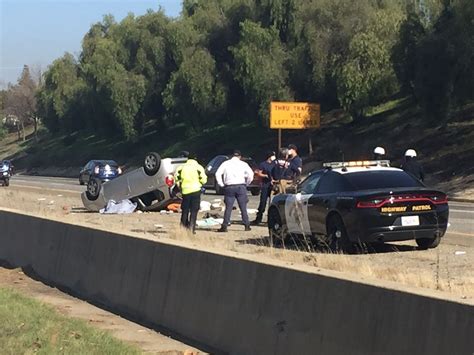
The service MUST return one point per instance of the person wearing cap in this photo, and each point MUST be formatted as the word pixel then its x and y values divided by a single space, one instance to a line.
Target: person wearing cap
pixel 412 166
pixel 190 177
pixel 234 176
pixel 379 153
pixel 265 172
pixel 294 168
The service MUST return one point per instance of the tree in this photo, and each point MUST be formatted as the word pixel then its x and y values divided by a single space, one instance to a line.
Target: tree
pixel 20 101
pixel 448 80
pixel 260 68
pixel 404 56
pixel 118 93
pixel 195 95
pixel 366 76
pixel 61 98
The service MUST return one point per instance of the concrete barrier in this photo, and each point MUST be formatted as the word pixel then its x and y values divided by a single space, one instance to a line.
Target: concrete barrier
pixel 233 304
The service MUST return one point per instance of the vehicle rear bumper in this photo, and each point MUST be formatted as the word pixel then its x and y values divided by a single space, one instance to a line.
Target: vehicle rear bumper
pixel 387 235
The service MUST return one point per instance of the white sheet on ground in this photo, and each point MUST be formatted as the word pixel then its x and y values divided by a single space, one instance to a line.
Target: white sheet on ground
pixel 124 206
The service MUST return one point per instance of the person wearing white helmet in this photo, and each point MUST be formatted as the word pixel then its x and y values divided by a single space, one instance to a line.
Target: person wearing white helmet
pixel 412 166
pixel 379 153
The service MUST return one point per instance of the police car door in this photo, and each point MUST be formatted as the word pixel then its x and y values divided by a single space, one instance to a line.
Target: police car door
pixel 296 206
pixel 330 185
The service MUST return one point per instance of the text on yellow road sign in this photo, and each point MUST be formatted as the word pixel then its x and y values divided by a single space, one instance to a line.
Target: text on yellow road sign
pixel 294 115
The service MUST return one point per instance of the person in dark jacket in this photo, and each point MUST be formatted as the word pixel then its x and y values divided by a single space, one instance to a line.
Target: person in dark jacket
pixel 265 171
pixel 412 166
pixel 295 163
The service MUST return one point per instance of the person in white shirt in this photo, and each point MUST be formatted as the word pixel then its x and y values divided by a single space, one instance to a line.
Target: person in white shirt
pixel 234 176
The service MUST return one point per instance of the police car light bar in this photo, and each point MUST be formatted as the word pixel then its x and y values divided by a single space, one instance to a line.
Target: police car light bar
pixel 360 163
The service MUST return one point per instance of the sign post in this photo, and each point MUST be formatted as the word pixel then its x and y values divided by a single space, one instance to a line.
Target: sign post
pixel 294 115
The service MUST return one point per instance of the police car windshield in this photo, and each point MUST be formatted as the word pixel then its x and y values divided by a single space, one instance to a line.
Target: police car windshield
pixel 369 180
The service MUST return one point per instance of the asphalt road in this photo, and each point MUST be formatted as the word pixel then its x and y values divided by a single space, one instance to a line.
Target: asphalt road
pixel 460 231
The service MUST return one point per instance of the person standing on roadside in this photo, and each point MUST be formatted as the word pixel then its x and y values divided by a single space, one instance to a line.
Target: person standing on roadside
pixel 265 171
pixel 379 153
pixel 190 177
pixel 279 171
pixel 294 167
pixel 234 176
pixel 412 166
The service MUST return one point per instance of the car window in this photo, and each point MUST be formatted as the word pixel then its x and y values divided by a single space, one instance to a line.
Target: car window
pixel 219 160
pixel 251 163
pixel 211 163
pixel 308 186
pixel 108 162
pixel 332 182
pixel 369 180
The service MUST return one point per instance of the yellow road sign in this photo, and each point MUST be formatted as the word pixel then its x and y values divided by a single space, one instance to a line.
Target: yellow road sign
pixel 294 115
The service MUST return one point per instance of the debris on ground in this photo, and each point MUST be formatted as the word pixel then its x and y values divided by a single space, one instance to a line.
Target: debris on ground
pixel 209 222
pixel 121 207
pixel 205 206
pixel 174 207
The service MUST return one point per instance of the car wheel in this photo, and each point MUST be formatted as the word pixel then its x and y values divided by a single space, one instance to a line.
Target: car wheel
pixel 336 235
pixel 93 189
pixel 219 190
pixel 276 229
pixel 428 243
pixel 152 163
pixel 255 191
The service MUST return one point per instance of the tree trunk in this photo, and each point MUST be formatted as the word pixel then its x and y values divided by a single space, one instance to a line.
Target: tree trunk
pixel 23 130
pixel 36 128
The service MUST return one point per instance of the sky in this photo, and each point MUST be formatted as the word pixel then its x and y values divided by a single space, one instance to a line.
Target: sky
pixel 36 32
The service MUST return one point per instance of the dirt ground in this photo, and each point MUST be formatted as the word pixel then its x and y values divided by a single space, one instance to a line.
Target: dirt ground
pixel 448 268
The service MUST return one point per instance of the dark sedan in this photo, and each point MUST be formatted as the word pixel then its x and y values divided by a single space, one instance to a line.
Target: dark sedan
pixel 361 202
pixel 103 170
pixel 214 164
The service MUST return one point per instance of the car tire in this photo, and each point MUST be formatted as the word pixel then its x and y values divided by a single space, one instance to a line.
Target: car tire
pixel 219 190
pixel 93 189
pixel 152 163
pixel 277 230
pixel 428 243
pixel 337 239
pixel 255 191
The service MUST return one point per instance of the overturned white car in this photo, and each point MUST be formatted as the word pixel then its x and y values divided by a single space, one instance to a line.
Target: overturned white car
pixel 152 186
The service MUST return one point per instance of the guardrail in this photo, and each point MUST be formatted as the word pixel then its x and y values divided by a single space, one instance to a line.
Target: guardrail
pixel 232 304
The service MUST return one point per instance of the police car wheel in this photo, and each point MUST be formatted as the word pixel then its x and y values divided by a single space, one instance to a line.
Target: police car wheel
pixel 428 243
pixel 152 163
pixel 93 189
pixel 276 229
pixel 336 235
